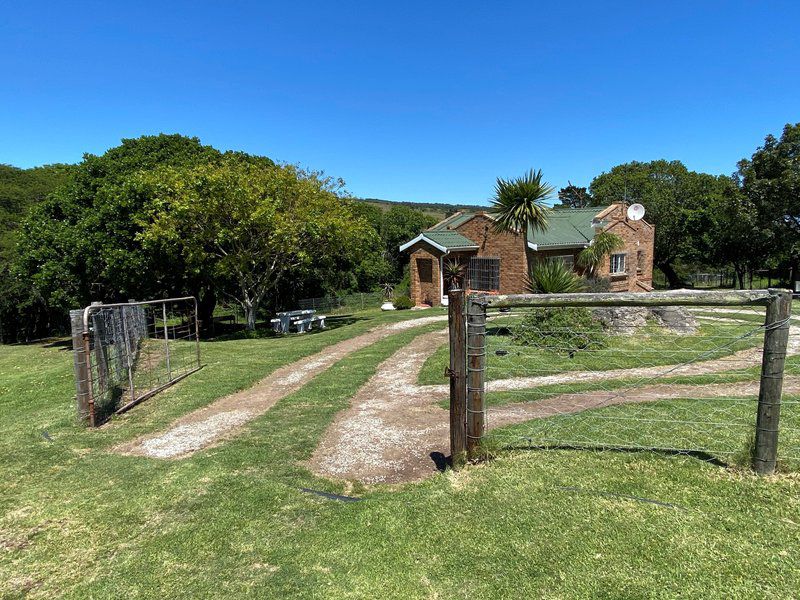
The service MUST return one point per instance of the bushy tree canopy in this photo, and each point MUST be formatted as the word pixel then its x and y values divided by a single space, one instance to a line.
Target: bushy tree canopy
pixel 677 202
pixel 251 225
pixel 770 180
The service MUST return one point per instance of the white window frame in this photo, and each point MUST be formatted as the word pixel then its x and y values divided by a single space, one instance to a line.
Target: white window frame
pixel 618 260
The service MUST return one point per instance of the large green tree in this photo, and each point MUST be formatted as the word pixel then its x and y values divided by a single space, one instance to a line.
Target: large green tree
pixel 251 225
pixel 81 244
pixel 736 235
pixel 677 202
pixel 20 189
pixel 573 196
pixel 771 181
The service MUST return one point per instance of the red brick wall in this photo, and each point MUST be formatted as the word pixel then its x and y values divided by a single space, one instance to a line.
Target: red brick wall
pixel 514 256
pixel 425 292
pixel 639 237
pixel 508 247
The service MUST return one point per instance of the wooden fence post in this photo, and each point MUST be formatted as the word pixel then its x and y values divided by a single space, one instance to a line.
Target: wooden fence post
pixel 476 365
pixel 776 339
pixel 458 377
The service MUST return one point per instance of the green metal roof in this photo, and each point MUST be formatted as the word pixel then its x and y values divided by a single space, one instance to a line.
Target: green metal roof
pixel 449 239
pixel 567 227
pixel 453 221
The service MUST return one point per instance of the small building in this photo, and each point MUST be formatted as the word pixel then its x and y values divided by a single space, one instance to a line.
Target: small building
pixel 497 262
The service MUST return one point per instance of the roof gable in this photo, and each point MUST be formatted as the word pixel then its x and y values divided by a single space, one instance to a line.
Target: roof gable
pixel 442 240
pixel 456 220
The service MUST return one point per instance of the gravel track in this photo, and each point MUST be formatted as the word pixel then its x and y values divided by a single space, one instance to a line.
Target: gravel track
pixel 220 420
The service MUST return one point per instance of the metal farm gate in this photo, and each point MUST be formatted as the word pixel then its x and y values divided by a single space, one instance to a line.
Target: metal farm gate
pixel 712 374
pixel 125 353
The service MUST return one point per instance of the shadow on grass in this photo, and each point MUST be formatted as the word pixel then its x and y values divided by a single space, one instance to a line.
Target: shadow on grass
pixel 698 454
pixel 227 332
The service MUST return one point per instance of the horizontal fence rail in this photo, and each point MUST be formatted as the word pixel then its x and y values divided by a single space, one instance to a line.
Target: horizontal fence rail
pixel 124 353
pixel 712 374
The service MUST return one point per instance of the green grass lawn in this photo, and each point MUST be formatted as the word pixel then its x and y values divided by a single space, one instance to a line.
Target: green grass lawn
pixel 77 521
pixel 652 346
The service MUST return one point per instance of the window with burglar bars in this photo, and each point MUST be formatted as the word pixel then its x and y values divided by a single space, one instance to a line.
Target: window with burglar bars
pixel 484 274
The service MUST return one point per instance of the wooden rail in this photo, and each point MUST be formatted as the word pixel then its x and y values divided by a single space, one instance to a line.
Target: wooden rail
pixel 670 298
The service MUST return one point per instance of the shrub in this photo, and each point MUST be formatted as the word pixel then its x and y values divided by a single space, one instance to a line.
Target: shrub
pixel 403 303
pixel 552 277
pixel 565 330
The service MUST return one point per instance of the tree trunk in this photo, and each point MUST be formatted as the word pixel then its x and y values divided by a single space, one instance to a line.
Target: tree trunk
pixel 672 277
pixel 206 302
pixel 739 275
pixel 250 315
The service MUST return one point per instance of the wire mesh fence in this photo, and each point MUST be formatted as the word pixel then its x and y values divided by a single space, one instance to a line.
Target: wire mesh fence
pixel 338 305
pixel 125 353
pixel 671 378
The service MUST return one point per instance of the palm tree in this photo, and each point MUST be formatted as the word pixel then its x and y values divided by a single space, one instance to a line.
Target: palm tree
pixel 603 244
pixel 519 203
pixel 453 274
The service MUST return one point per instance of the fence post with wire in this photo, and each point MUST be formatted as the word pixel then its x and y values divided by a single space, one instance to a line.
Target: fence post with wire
pixel 692 372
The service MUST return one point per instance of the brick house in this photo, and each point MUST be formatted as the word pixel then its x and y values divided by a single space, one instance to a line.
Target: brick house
pixel 497 262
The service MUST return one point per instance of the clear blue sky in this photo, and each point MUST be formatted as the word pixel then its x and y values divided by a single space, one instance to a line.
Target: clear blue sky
pixel 423 101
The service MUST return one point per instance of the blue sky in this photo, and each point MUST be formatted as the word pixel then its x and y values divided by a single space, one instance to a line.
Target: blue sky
pixel 422 101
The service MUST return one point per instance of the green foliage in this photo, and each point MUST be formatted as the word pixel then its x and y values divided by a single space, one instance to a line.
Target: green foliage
pixel 770 180
pixel 398 225
pixel 82 242
pixel 20 189
pixel 677 202
pixel 403 303
pixel 251 225
pixel 573 196
pixel 563 330
pixel 519 203
pixel 436 210
pixel 453 273
pixel 603 244
pixel 552 277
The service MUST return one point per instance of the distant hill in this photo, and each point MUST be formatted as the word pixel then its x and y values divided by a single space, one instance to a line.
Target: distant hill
pixel 438 210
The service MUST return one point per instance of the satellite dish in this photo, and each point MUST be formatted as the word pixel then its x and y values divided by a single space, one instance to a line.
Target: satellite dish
pixel 635 212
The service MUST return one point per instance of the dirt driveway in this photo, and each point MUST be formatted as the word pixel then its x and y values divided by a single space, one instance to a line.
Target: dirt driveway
pixel 220 420
pixel 394 430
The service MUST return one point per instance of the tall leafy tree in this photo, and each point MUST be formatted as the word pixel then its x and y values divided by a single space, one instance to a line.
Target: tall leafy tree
pixel 677 202
pixel 771 181
pixel 573 196
pixel 736 235
pixel 20 189
pixel 81 243
pixel 251 225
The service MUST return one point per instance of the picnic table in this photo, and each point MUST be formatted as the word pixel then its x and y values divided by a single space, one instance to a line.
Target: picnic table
pixel 300 320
